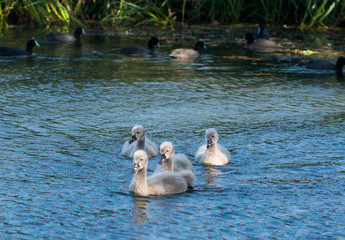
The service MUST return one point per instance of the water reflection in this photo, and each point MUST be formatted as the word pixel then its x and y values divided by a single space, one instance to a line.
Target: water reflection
pixel 30 61
pixel 211 175
pixel 139 211
pixel 340 77
pixel 184 60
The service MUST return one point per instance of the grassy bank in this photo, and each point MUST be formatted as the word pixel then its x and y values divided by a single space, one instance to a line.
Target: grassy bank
pixel 305 13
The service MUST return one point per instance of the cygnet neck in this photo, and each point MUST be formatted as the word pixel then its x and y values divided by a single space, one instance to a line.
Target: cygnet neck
pixel 169 162
pixel 140 182
pixel 212 148
pixel 141 144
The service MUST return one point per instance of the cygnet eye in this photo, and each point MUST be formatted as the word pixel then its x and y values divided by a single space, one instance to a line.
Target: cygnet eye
pixel 167 150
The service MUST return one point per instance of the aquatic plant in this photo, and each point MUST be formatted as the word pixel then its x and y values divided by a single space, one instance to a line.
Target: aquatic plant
pixel 306 13
pixel 6 8
pixel 221 10
pixel 316 12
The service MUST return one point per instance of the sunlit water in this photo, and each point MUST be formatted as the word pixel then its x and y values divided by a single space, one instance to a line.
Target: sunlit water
pixel 66 113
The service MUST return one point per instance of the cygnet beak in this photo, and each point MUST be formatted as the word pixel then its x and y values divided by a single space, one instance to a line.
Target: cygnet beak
pixel 163 158
pixel 209 144
pixel 135 168
pixel 134 138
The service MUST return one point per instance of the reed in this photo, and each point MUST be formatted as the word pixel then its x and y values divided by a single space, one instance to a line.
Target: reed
pixel 223 10
pixel 274 11
pixel 6 8
pixel 161 14
pixel 316 12
pixel 306 13
pixel 119 12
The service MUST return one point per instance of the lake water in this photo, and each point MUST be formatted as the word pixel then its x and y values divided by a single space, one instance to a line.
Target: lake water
pixel 66 113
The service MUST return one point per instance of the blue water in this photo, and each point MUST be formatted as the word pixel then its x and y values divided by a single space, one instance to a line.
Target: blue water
pixel 66 113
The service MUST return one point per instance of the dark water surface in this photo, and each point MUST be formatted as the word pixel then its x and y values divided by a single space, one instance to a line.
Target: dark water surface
pixel 66 113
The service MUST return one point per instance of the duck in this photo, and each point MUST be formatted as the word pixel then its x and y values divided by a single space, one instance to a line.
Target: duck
pixel 212 153
pixel 172 162
pixel 139 50
pixel 259 43
pixel 261 32
pixel 139 141
pixel 63 37
pixel 183 53
pixel 12 51
pixel 162 183
pixel 326 65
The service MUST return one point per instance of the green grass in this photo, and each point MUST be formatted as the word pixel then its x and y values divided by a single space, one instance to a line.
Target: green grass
pixel 167 13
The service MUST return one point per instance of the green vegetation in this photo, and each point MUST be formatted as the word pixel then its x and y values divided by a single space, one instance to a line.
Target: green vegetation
pixel 305 13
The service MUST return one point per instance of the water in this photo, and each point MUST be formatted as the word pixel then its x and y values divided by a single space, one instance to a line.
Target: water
pixel 66 113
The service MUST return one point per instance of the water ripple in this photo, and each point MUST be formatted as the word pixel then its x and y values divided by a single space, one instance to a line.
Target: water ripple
pixel 67 112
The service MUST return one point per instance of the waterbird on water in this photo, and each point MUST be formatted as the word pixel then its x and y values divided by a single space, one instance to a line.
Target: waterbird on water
pixel 13 51
pixel 326 65
pixel 172 162
pixel 63 37
pixel 162 183
pixel 139 141
pixel 259 43
pixel 183 53
pixel 212 153
pixel 140 50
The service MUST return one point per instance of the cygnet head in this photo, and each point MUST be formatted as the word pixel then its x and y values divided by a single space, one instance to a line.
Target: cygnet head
pixel 211 137
pixel 167 150
pixel 138 133
pixel 140 161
